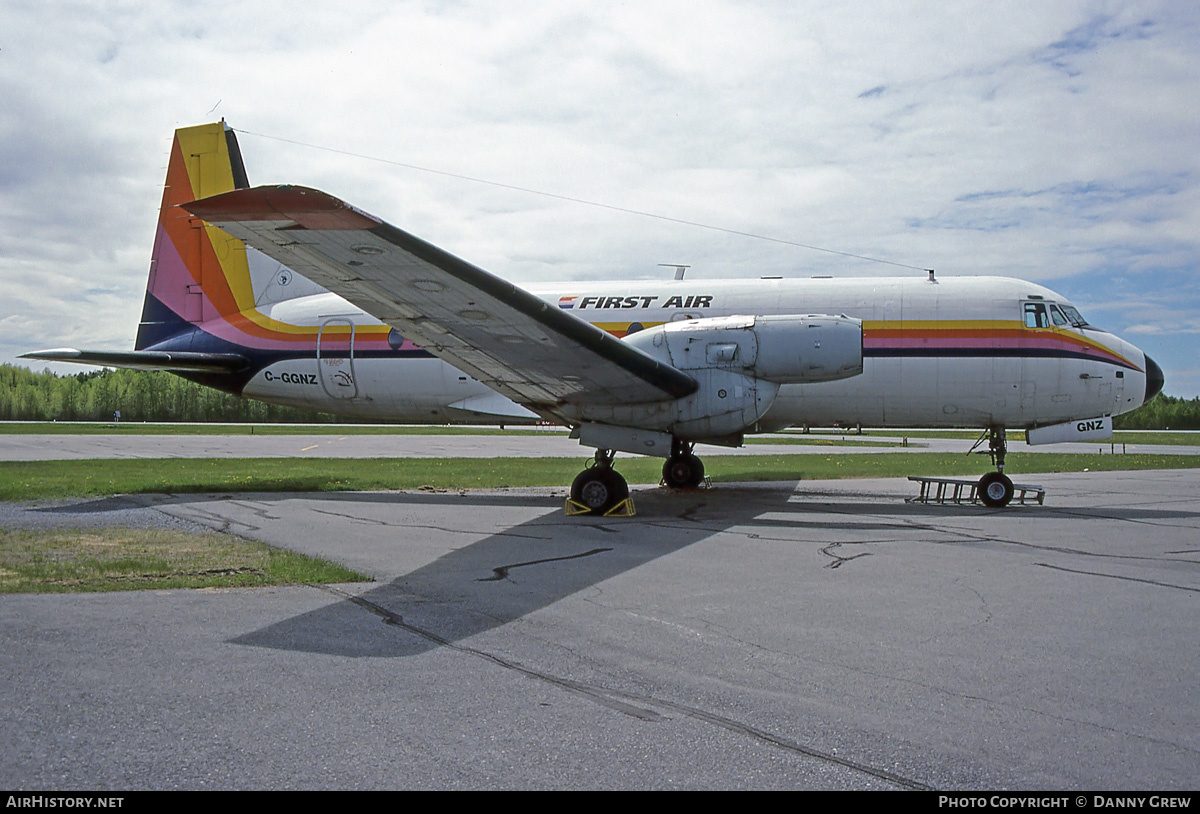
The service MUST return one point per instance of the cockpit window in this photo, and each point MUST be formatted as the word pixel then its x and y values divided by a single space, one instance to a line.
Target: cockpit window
pixel 1035 315
pixel 1074 317
pixel 1041 314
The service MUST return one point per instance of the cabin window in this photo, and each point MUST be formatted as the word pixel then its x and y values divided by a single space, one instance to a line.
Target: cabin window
pixel 1035 315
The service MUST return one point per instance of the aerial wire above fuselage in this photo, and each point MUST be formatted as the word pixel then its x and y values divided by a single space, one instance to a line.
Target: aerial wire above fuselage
pixel 582 201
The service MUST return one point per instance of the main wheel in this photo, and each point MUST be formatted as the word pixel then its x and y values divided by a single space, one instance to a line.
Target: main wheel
pixel 599 488
pixel 683 472
pixel 995 490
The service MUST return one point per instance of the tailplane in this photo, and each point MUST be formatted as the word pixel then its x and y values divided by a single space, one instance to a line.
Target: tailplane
pixel 208 296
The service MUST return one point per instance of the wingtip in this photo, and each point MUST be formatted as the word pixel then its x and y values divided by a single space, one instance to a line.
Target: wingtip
pixel 306 207
pixel 53 354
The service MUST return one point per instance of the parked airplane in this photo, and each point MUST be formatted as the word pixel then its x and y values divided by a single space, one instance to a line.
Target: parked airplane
pixel 334 309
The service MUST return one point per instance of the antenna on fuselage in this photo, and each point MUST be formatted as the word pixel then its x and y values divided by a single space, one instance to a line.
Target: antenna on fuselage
pixel 680 268
pixel 931 276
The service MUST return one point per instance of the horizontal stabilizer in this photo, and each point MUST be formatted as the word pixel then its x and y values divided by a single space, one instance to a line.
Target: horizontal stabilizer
pixel 493 404
pixel 147 359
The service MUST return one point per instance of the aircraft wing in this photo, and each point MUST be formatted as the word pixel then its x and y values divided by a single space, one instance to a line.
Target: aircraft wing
pixel 517 344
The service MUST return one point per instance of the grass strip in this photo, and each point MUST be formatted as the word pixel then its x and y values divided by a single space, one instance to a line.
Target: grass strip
pixel 138 428
pixel 38 480
pixel 117 559
pixel 1163 437
pixel 816 437
pixel 820 441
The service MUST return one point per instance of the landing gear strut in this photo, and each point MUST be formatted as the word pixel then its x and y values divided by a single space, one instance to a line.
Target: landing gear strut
pixel 995 488
pixel 599 489
pixel 683 470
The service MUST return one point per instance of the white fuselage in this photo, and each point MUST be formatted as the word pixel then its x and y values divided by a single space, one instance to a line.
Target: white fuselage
pixel 956 352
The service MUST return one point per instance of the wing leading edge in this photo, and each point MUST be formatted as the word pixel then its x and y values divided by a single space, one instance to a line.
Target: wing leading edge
pixel 512 341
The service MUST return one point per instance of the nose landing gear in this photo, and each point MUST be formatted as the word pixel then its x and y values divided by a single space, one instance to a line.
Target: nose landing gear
pixel 995 488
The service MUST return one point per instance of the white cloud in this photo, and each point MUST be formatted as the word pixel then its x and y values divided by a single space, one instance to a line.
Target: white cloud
pixel 1056 142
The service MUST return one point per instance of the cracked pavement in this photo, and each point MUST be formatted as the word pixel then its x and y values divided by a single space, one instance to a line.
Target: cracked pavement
pixel 819 634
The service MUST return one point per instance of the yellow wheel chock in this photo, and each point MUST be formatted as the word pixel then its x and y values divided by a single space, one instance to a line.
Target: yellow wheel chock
pixel 623 509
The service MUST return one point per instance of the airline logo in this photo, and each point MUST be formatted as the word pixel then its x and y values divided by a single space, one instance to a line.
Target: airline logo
pixel 688 301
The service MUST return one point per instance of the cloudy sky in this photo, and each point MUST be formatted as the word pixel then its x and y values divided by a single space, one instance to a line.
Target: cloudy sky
pixel 1056 142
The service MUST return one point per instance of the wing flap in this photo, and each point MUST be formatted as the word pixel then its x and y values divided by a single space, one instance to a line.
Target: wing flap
pixel 512 341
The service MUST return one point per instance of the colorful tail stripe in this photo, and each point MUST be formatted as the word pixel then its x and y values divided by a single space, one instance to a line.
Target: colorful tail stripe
pixel 200 276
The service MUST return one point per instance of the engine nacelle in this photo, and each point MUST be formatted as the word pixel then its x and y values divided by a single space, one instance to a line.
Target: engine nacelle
pixel 784 349
pixel 724 405
pixel 739 364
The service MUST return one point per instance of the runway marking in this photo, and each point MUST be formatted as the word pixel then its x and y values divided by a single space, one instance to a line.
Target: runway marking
pixel 306 449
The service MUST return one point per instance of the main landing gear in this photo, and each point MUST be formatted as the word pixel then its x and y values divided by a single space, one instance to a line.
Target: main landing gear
pixel 600 489
pixel 683 470
pixel 995 488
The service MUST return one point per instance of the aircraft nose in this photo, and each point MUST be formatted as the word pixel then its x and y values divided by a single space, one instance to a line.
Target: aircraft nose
pixel 1154 379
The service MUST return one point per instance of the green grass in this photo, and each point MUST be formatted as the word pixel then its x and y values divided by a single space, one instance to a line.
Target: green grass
pixel 115 559
pixel 1188 439
pixel 139 428
pixel 818 437
pixel 1164 437
pixel 36 480
pixel 122 559
pixel 820 441
pixel 1014 436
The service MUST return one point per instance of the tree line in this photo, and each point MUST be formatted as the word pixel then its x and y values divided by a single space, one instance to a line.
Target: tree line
pixel 143 395
pixel 139 395
pixel 1162 413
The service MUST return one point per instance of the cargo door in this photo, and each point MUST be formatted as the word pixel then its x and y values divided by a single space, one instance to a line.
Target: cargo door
pixel 335 358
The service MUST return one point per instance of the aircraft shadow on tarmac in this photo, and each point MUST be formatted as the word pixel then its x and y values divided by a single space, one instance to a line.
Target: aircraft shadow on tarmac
pixel 531 565
pixel 504 576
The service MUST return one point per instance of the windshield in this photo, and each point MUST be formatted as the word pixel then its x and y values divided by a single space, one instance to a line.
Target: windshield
pixel 1073 316
pixel 1041 314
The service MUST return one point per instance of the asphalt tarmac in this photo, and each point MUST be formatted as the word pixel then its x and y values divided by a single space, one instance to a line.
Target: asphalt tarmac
pixel 116 445
pixel 820 634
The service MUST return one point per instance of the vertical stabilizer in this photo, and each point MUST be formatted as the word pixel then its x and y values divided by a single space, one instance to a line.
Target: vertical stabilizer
pixel 209 293
pixel 188 284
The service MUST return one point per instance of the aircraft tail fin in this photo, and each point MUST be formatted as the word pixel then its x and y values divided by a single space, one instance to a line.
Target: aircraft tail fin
pixel 186 263
pixel 199 273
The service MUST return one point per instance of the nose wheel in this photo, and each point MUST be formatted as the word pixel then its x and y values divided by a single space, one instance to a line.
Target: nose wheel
pixel 995 488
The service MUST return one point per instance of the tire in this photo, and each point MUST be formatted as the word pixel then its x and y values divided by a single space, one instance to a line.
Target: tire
pixel 995 490
pixel 599 488
pixel 683 472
